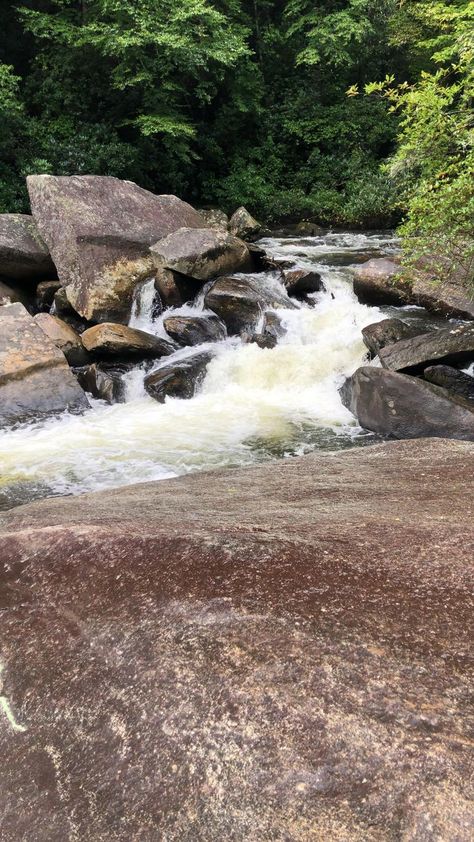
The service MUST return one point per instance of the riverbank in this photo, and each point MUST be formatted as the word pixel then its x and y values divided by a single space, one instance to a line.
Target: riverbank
pixel 269 653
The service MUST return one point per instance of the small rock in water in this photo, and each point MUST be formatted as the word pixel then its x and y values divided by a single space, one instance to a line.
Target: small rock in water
pixel 272 326
pixel 261 339
pixel 116 340
pixel 179 379
pixel 193 330
pixel 378 281
pixel 300 283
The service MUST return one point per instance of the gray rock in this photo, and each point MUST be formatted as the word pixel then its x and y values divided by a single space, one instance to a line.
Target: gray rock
pixel 215 218
pixel 105 380
pixel 380 334
pixel 272 326
pixel 454 381
pixel 10 294
pixel 178 379
pixel 116 340
pixel 23 254
pixel 99 230
pixel 453 345
pixel 201 253
pixel 302 282
pixel 174 289
pixel 379 281
pixel 35 379
pixel 240 302
pixel 263 340
pixel 400 406
pixel 64 337
pixel 193 330
pixel 243 225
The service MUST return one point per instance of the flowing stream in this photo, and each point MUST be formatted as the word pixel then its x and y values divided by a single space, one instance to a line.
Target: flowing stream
pixel 254 404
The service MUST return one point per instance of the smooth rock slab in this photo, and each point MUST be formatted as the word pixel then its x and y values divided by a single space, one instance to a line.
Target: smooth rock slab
pixel 99 230
pixel 280 653
pixel 23 254
pixel 35 379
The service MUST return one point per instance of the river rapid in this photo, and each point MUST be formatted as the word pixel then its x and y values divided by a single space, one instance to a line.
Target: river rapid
pixel 254 404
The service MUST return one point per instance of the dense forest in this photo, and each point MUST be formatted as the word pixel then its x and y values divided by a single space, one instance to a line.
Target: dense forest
pixel 348 112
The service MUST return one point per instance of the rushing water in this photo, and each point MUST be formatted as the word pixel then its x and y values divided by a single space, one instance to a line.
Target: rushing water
pixel 254 403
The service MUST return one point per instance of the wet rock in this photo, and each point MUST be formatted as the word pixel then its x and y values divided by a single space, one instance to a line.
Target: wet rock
pixel 99 230
pixel 240 302
pixel 174 289
pixel 261 261
pixel 115 340
pixel 263 340
pixel 23 254
pixel 243 225
pixel 304 228
pixel 193 330
pixel 379 281
pixel 178 379
pixel 451 346
pixel 45 292
pixel 454 381
pixel 403 407
pixel 35 379
pixel 201 253
pixel 10 294
pixel 272 326
pixel 380 334
pixel 241 655
pixel 300 283
pixel 64 337
pixel 105 381
pixel 215 218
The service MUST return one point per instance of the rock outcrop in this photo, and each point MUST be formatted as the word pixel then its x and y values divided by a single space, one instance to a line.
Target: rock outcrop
pixel 23 254
pixel 279 653
pixel 399 406
pixel 193 330
pixel 115 340
pixel 453 345
pixel 178 379
pixel 99 230
pixel 201 253
pixel 35 379
pixel 240 302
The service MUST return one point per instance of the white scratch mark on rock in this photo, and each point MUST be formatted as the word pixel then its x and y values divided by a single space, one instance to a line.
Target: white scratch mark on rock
pixel 5 706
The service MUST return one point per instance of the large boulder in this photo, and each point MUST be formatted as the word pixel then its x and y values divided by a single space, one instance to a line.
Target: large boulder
pixel 64 337
pixel 403 407
pixel 243 225
pixel 380 281
pixel 35 379
pixel 201 253
pixel 23 254
pixel 178 379
pixel 193 330
pixel 380 334
pixel 264 654
pixel 453 345
pixel 99 230
pixel 240 302
pixel 454 381
pixel 115 340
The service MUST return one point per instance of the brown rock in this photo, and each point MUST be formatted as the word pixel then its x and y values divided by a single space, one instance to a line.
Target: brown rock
pixel 99 230
pixel 454 345
pixel 105 380
pixel 64 337
pixel 35 379
pixel 174 289
pixel 215 218
pixel 242 224
pixel 193 330
pixel 279 653
pixel 403 407
pixel 201 253
pixel 45 292
pixel 301 283
pixel 23 254
pixel 379 281
pixel 108 339
pixel 240 302
pixel 178 379
pixel 456 382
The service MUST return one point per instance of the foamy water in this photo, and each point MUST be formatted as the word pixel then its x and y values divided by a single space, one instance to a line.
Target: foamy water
pixel 254 403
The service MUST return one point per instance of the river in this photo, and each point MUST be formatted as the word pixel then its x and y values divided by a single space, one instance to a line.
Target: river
pixel 254 404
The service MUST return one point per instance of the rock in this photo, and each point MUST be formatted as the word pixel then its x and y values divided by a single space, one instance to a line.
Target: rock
pixel 23 254
pixel 304 228
pixel 12 295
pixel 35 379
pixel 252 654
pixel 263 340
pixel 64 337
pixel 201 253
pixel 174 289
pixel 45 292
pixel 453 345
pixel 99 230
pixel 243 225
pixel 115 340
pixel 454 381
pixel 240 302
pixel 215 218
pixel 301 283
pixel 379 281
pixel 178 379
pixel 105 380
pixel 193 330
pixel 380 334
pixel 402 407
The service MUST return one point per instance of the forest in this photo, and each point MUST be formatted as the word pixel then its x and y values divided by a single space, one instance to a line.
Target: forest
pixel 355 113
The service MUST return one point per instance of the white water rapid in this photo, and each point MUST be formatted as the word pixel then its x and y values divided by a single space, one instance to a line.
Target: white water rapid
pixel 254 403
